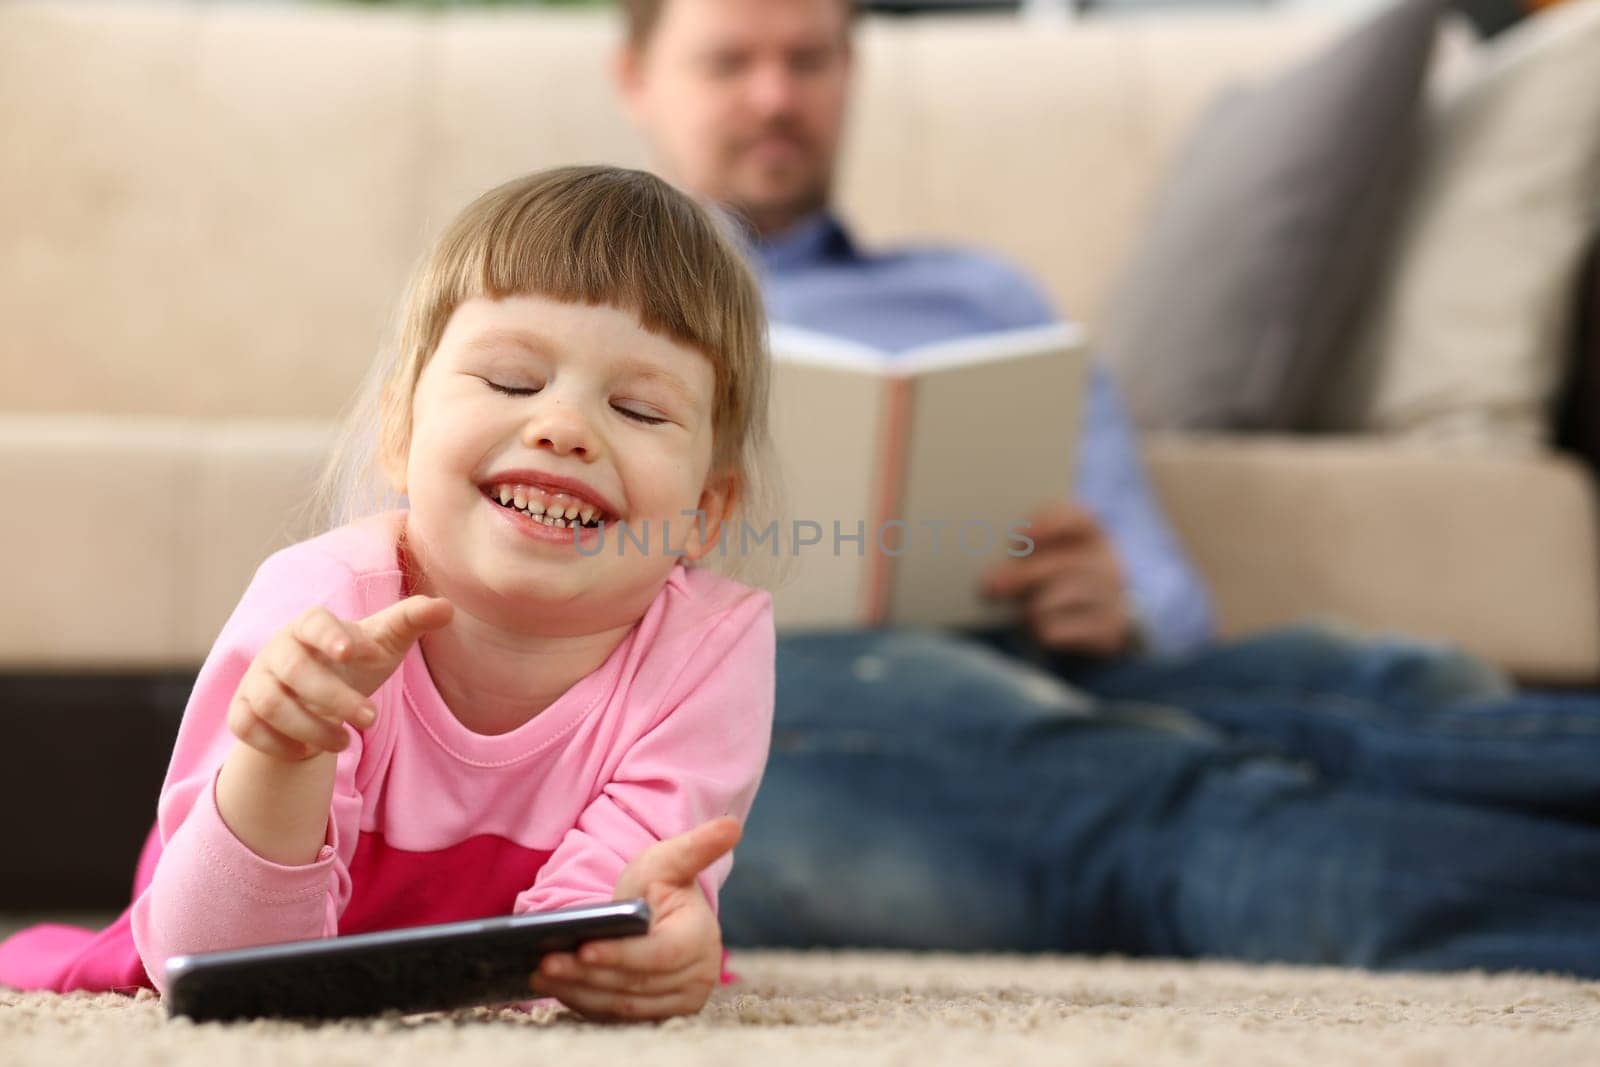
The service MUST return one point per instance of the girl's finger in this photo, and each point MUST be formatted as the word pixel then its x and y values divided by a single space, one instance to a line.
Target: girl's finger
pixel 318 687
pixel 323 631
pixel 608 1004
pixel 394 629
pixel 655 952
pixel 618 979
pixel 263 738
pixel 279 708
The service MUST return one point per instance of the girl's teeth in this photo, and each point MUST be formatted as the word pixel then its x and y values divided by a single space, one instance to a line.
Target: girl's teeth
pixel 561 515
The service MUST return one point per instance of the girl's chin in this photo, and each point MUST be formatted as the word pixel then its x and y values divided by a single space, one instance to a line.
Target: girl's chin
pixel 556 602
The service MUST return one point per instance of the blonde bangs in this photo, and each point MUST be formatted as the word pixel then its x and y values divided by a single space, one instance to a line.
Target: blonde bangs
pixel 602 235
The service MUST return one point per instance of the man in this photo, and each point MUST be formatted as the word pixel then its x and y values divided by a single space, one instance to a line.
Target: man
pixel 1299 797
pixel 747 110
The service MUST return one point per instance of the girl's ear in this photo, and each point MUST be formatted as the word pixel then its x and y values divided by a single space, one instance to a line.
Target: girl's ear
pixel 717 501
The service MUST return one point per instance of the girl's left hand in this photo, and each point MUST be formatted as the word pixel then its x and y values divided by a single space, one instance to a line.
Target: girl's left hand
pixel 672 969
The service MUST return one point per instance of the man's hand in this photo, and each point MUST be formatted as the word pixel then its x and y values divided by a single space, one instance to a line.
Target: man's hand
pixel 1070 587
pixel 672 969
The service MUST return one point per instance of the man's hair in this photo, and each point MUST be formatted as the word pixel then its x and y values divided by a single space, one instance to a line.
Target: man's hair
pixel 639 17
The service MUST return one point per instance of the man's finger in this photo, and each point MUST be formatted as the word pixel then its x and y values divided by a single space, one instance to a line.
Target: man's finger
pixel 1067 596
pixel 1061 522
pixel 1091 632
pixel 397 626
pixel 679 860
pixel 1019 577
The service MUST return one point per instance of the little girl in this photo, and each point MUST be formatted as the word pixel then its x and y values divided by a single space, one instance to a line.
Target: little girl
pixel 485 701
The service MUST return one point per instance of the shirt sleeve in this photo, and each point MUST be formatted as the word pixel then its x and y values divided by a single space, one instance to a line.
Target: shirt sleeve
pixel 210 891
pixel 702 759
pixel 1170 600
pixel 1012 300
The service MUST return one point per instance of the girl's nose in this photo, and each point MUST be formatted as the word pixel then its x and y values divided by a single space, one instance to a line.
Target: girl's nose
pixel 560 428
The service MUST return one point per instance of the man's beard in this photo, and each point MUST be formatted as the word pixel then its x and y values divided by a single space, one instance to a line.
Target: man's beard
pixel 772 215
pixel 771 205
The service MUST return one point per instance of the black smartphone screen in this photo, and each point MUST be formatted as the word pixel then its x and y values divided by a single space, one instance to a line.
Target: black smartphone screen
pixel 420 968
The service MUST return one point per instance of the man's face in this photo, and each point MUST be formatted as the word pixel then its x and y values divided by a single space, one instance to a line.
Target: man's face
pixel 743 101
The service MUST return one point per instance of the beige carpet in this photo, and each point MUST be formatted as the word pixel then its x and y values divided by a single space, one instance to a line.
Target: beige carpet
pixel 880 1008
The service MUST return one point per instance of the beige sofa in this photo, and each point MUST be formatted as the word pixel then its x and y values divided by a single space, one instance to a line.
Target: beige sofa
pixel 209 210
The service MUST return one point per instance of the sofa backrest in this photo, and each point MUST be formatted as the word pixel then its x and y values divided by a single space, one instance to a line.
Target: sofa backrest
pixel 211 208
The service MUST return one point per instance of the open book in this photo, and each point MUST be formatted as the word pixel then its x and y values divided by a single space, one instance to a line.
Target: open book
pixel 936 456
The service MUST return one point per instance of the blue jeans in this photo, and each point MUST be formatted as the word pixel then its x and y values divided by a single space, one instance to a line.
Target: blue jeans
pixel 1300 797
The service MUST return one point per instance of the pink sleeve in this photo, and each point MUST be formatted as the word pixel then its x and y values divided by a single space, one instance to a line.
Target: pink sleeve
pixel 703 758
pixel 210 891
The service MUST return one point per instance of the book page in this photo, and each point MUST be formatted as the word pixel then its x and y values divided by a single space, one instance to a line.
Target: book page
pixel 989 347
pixel 796 344
pixel 825 429
pixel 989 443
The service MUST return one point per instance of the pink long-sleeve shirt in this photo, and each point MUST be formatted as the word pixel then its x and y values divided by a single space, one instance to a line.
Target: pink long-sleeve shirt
pixel 431 822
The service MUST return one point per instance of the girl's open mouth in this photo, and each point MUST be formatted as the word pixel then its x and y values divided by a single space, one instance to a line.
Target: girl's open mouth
pixel 555 510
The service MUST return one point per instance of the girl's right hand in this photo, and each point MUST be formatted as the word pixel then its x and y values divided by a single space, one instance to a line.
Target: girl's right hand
pixel 316 674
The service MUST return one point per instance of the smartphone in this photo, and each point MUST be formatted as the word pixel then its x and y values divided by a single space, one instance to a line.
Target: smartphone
pixel 417 969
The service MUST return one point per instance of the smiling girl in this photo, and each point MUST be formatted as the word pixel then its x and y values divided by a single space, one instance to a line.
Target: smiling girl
pixel 449 709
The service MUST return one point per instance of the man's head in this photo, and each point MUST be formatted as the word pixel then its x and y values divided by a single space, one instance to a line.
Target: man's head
pixel 741 100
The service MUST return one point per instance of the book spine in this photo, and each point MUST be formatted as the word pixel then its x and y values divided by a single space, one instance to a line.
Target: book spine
pixel 894 439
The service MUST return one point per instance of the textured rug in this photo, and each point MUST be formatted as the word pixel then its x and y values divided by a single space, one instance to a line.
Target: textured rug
pixel 894 1008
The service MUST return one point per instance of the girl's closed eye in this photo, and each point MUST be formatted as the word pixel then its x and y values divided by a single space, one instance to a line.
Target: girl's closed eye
pixel 510 390
pixel 639 416
pixel 636 413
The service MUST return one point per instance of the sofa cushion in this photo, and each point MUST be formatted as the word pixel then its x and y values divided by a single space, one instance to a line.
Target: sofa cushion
pixel 1494 554
pixel 209 210
pixel 183 511
pixel 1262 240
pixel 1467 343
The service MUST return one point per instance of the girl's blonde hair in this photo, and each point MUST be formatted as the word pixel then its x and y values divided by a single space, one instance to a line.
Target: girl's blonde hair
pixel 591 235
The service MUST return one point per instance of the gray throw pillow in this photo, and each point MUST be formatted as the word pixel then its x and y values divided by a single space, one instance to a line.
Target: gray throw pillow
pixel 1270 223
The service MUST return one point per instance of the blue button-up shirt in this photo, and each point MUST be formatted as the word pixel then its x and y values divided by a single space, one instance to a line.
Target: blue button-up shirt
pixel 814 276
